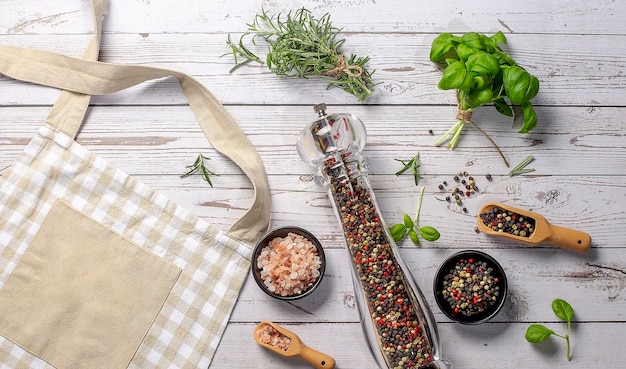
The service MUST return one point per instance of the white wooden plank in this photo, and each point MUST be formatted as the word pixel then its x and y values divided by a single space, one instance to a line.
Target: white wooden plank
pixel 575 70
pixel 155 16
pixel 567 141
pixel 472 347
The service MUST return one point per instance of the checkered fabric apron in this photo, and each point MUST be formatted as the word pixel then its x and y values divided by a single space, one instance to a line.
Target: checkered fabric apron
pixel 193 270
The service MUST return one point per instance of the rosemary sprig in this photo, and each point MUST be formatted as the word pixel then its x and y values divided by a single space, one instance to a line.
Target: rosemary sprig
pixel 199 166
pixel 413 164
pixel 303 46
pixel 521 167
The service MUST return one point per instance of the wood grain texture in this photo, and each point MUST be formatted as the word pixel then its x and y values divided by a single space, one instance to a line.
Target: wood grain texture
pixel 577 50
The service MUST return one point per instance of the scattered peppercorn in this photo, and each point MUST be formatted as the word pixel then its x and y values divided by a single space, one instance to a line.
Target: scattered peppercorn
pixel 488 176
pixel 456 178
pixel 441 187
pixel 430 132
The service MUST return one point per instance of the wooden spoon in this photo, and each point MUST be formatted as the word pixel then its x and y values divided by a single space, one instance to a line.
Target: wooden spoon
pixel 544 232
pixel 295 348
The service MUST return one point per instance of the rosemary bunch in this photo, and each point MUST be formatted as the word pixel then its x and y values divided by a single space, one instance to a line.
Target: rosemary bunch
pixel 302 46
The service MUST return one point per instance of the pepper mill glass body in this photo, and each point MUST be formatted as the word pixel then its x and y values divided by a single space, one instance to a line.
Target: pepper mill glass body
pixel 398 324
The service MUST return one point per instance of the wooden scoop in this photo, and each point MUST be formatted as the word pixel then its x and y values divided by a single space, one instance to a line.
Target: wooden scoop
pixel 544 232
pixel 296 347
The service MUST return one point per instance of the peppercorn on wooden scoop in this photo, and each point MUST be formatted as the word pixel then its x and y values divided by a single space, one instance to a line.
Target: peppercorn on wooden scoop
pixel 295 348
pixel 544 232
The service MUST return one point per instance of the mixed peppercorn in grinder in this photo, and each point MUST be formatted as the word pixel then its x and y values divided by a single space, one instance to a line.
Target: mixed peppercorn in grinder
pixel 399 326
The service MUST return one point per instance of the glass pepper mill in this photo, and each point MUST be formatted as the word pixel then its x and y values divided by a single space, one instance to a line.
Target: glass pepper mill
pixel 398 324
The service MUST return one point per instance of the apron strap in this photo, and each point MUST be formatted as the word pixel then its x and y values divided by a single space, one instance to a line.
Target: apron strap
pixel 89 77
pixel 68 112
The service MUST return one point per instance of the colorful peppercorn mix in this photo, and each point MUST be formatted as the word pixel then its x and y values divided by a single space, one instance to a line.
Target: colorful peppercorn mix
pixel 395 315
pixel 501 220
pixel 470 287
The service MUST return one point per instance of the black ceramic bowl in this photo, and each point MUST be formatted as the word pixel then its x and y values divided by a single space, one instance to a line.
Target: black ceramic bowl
pixel 283 232
pixel 459 292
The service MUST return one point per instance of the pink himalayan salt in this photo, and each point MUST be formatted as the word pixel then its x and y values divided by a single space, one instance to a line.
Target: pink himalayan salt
pixel 269 335
pixel 289 265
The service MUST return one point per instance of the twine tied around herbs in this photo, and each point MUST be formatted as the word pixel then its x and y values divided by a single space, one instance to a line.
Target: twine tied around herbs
pixel 341 67
pixel 465 116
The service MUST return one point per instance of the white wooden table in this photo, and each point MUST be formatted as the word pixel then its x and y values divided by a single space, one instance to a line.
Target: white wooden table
pixel 577 50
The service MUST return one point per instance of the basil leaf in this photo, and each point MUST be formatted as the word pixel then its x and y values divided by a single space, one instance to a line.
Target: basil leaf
pixel 479 97
pixel 520 85
pixel 440 47
pixel 563 310
pixel 530 117
pixel 429 233
pixel 504 58
pixel 537 333
pixel 413 236
pixel 503 107
pixel 473 40
pixel 464 52
pixel 483 63
pixel 408 222
pixel 453 76
pixel 498 37
pixel 397 231
pixel 468 83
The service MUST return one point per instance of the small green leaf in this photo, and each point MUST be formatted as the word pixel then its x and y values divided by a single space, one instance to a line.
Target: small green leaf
pixel 479 97
pixel 440 47
pixel 429 233
pixel 498 38
pixel 397 231
pixel 530 118
pixel 563 310
pixel 520 85
pixel 483 63
pixel 464 52
pixel 537 333
pixel 503 108
pixel 473 40
pixel 408 222
pixel 413 236
pixel 505 59
pixel 453 76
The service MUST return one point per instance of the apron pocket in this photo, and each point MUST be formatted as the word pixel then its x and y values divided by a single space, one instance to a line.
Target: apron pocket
pixel 83 296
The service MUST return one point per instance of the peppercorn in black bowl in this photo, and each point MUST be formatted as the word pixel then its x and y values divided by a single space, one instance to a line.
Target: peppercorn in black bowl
pixel 470 287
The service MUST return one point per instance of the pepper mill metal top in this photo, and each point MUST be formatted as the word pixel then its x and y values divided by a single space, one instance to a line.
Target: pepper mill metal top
pixel 320 109
pixel 329 135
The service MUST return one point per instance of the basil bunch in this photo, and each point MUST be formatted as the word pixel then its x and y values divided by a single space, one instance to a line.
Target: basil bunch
pixel 481 73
